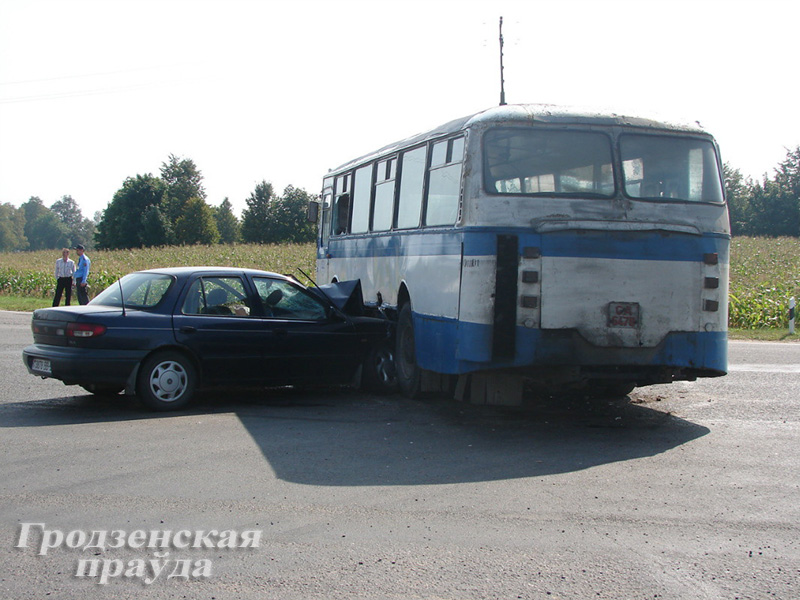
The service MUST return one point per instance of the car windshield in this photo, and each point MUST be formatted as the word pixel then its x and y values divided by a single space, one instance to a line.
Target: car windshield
pixel 139 290
pixel 658 167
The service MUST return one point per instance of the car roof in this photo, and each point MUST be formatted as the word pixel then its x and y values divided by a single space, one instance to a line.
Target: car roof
pixel 187 271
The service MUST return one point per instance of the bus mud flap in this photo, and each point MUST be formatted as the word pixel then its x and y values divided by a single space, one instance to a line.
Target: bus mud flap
pixel 491 389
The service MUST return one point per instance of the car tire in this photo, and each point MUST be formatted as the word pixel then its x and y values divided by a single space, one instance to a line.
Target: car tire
pixel 409 375
pixel 378 372
pixel 102 389
pixel 167 381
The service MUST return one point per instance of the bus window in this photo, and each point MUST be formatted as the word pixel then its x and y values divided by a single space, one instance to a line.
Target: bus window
pixel 384 195
pixel 664 167
pixel 340 219
pixel 412 177
pixel 325 228
pixel 341 210
pixel 444 184
pixel 528 161
pixel 362 185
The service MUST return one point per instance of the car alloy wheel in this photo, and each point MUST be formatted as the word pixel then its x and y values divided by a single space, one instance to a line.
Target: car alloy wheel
pixel 379 374
pixel 167 381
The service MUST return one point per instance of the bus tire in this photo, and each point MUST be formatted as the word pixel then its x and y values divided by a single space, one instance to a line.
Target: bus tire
pixel 408 372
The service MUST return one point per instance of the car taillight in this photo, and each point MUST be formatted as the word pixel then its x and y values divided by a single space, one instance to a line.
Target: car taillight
pixel 85 330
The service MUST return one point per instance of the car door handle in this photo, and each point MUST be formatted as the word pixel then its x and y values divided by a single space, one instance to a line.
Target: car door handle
pixel 188 329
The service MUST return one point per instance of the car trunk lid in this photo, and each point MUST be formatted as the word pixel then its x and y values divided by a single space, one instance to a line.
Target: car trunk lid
pixel 49 325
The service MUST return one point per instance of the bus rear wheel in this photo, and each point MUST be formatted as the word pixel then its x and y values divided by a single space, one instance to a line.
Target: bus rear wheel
pixel 408 372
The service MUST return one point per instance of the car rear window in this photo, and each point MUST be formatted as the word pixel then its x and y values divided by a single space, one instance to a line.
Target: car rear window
pixel 138 290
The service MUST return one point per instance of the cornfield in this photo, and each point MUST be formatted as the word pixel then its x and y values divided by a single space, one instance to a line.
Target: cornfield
pixel 765 273
pixel 31 273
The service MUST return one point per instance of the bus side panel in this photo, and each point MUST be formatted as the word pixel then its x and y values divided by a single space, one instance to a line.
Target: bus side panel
pixel 431 262
pixel 476 306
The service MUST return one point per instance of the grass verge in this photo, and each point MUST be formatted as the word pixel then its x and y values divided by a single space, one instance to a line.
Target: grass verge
pixel 24 303
pixel 764 334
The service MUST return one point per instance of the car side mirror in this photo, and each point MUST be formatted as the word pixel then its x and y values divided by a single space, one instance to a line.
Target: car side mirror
pixel 312 211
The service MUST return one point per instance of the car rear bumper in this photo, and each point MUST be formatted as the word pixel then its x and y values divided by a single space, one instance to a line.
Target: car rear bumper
pixel 81 365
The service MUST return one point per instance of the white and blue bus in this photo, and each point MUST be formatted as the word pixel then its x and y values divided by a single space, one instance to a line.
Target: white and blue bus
pixel 535 243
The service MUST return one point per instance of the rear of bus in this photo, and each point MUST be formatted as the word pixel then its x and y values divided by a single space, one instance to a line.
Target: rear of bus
pixel 605 244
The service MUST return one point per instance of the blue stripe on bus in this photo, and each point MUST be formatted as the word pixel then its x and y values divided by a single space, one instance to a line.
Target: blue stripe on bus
pixel 416 243
pixel 630 245
pixel 436 337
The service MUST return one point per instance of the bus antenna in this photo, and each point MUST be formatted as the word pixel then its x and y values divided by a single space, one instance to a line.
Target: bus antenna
pixel 502 79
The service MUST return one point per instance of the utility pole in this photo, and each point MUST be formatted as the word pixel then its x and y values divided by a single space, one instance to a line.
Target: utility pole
pixel 502 80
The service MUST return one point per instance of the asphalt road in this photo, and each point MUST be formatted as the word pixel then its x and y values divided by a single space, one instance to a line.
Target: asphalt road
pixel 687 491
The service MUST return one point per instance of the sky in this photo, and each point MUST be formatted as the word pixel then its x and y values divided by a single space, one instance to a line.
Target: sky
pixel 95 91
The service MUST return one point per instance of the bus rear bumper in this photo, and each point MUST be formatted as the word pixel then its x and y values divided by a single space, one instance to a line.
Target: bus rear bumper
pixel 679 356
pixel 702 354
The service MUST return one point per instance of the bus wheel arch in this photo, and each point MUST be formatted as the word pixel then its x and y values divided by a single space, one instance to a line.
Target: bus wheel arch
pixel 403 297
pixel 409 374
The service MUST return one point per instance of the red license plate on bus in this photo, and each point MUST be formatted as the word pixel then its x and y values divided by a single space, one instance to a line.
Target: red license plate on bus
pixel 623 314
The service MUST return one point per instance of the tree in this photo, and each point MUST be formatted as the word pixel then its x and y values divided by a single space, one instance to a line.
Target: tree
pixel 122 223
pixel 227 224
pixel 156 228
pixel 738 191
pixel 184 181
pixel 256 215
pixel 12 228
pixel 80 230
pixel 287 221
pixel 196 225
pixel 786 194
pixel 43 228
pixel 68 211
pixel 774 205
pixel 32 209
pixel 47 231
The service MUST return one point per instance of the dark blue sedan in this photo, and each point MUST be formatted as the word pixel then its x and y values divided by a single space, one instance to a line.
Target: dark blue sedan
pixel 164 333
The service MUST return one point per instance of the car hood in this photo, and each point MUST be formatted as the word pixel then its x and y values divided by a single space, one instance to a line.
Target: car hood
pixel 345 295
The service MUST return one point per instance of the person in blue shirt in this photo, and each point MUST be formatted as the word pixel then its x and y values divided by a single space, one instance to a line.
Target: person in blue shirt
pixel 82 275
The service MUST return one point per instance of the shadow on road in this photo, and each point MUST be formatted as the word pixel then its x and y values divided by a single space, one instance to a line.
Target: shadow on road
pixel 344 439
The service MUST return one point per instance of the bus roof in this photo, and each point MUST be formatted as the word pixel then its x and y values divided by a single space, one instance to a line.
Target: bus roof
pixel 522 113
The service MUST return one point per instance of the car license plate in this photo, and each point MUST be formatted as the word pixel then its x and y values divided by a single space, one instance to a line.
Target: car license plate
pixel 41 366
pixel 623 314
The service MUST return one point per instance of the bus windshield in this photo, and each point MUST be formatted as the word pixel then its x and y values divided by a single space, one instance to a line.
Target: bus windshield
pixel 657 167
pixel 552 163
